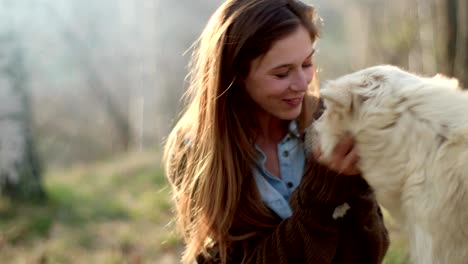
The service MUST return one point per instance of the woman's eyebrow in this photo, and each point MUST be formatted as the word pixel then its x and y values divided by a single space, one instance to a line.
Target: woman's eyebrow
pixel 287 65
pixel 311 53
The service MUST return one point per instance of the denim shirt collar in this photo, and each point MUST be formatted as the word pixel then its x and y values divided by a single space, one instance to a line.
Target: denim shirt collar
pixel 270 195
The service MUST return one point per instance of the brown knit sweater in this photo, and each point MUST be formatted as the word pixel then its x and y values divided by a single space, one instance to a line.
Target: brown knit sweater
pixel 311 234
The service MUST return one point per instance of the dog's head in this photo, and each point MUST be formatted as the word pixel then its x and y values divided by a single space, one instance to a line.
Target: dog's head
pixel 368 101
pixel 399 122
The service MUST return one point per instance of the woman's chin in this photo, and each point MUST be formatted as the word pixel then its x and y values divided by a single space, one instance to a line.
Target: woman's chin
pixel 290 115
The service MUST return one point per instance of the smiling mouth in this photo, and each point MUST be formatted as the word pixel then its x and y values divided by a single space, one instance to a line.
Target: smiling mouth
pixel 293 100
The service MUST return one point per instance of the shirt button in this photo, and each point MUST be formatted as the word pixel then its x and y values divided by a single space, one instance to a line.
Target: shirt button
pixel 286 154
pixel 290 184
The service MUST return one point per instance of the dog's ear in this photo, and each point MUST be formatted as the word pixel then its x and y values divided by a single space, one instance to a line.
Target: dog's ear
pixel 336 96
pixel 370 83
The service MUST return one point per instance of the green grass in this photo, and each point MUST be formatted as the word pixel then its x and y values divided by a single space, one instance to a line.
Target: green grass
pixel 397 253
pixel 117 211
pixel 111 212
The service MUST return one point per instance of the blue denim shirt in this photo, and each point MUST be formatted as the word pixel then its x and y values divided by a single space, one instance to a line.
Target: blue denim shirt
pixel 275 191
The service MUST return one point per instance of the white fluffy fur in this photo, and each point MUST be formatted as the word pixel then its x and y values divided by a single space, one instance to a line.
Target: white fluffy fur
pixel 412 135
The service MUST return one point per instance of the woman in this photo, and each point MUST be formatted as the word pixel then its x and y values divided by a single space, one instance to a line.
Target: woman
pixel 244 190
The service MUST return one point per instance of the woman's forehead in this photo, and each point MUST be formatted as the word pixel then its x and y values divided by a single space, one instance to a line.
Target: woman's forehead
pixel 293 49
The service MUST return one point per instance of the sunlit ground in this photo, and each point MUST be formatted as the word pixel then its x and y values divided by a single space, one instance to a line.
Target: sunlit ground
pixel 112 212
pixel 117 211
pixel 397 253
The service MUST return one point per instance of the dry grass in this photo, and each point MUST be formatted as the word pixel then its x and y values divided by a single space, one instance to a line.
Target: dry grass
pixel 397 253
pixel 111 212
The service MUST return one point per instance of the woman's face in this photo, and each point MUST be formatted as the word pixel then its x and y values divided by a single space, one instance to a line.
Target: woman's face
pixel 278 80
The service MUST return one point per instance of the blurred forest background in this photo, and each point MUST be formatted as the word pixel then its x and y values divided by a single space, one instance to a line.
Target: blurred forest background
pixel 89 90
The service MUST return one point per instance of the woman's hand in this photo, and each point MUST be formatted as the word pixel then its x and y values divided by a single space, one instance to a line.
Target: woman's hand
pixel 344 157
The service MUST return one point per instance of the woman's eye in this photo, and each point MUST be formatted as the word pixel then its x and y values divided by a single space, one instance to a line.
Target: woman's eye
pixel 307 65
pixel 282 74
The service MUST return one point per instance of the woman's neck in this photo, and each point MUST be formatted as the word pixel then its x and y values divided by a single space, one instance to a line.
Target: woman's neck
pixel 272 129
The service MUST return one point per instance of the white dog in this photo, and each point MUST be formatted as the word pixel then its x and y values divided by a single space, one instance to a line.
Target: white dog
pixel 412 136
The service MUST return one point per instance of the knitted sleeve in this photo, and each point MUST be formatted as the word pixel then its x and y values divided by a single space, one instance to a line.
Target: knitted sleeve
pixel 312 234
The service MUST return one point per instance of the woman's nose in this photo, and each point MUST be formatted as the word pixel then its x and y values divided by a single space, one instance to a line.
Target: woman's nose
pixel 300 82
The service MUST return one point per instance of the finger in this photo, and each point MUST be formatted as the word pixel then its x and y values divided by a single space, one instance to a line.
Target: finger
pixel 349 164
pixel 344 146
pixel 317 152
pixel 352 171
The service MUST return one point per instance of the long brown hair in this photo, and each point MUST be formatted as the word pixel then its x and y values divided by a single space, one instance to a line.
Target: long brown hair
pixel 209 154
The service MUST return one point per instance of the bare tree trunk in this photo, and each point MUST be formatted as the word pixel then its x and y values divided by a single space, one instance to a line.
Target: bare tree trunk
pixel 423 55
pixel 452 16
pixel 20 170
pixel 452 32
pixel 392 32
pixel 461 59
pixel 118 115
